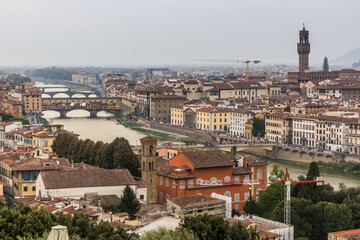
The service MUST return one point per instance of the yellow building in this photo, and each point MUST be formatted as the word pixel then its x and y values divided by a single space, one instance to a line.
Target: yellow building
pixel 177 116
pixel 278 127
pixel 44 141
pixel 248 129
pixel 32 100
pixel 213 119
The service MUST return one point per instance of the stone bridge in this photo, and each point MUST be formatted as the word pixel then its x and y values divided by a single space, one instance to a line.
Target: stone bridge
pixel 259 149
pixel 92 105
pixel 70 93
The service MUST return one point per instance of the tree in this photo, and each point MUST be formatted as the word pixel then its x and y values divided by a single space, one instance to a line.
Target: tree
pixel 269 199
pixel 311 190
pixel 207 227
pixel 64 144
pixel 75 156
pixel 338 217
pixel 277 173
pixel 326 65
pixel 251 207
pixel 129 203
pixel 258 127
pixel 299 216
pixel 108 155
pixel 124 157
pixel 164 234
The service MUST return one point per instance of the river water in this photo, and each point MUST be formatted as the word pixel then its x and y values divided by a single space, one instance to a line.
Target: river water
pixel 105 128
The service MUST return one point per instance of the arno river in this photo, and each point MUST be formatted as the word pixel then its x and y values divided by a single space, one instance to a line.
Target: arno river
pixel 105 128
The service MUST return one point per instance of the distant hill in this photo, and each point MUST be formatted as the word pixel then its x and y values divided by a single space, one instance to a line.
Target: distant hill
pixel 348 58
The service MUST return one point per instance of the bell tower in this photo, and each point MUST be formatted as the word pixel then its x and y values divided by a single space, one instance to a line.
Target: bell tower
pixel 148 167
pixel 303 48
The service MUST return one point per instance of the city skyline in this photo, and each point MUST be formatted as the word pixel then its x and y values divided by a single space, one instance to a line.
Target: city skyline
pixel 170 32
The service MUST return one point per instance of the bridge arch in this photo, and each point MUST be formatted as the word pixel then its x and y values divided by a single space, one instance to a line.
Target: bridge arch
pixel 60 95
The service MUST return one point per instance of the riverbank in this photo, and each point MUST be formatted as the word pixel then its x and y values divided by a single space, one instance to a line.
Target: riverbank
pixel 128 122
pixel 331 162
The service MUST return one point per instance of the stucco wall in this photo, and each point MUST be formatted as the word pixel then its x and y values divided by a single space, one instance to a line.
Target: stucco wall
pixel 77 193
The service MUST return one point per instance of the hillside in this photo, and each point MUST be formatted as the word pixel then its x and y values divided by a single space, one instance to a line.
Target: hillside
pixel 348 58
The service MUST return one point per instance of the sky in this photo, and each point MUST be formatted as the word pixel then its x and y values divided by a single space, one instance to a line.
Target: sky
pixel 169 32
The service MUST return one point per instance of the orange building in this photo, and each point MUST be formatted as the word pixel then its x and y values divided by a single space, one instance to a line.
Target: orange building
pixel 194 172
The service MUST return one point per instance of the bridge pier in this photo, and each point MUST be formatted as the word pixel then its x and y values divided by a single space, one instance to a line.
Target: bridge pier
pixel 93 113
pixel 62 114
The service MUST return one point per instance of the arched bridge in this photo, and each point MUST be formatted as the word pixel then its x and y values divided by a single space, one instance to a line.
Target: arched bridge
pixel 92 105
pixel 69 93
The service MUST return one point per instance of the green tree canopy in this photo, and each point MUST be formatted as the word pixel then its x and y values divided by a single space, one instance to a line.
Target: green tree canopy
pixel 129 202
pixel 64 144
pixel 124 157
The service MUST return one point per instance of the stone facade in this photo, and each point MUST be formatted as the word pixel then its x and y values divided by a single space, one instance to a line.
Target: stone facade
pixel 148 167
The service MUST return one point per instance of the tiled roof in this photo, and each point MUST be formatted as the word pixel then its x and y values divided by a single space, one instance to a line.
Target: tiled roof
pixel 87 178
pixel 163 96
pixel 208 159
pixel 195 201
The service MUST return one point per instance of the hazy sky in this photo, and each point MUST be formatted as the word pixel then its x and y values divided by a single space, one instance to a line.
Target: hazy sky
pixel 144 32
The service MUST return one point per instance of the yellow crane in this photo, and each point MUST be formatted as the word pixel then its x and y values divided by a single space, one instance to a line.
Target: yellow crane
pixel 247 62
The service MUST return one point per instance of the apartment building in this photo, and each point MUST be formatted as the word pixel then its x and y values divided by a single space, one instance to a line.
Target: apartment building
pixel 278 127
pixel 337 133
pixel 238 120
pixel 32 100
pixel 160 107
pixel 304 131
pixel 213 119
pixel 354 138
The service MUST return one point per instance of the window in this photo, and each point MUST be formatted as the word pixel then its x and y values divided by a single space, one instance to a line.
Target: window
pixel 213 180
pixel 141 197
pixel 182 184
pixel 167 182
pixel 199 181
pixel 259 174
pixel 246 196
pixel 161 180
pixel 191 182
pixel 227 194
pixel 237 197
pixel 161 197
pixel 247 178
pixel 227 179
pixel 200 209
pixel 174 183
pixel 236 206
pixel 25 189
pixel 237 179
pixel 33 189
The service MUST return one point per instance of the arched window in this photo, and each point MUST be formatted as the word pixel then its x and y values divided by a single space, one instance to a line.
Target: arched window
pixel 166 196
pixel 199 181
pixel 149 166
pixel 227 194
pixel 213 180
pixel 259 173
pixel 227 179
pixel 151 150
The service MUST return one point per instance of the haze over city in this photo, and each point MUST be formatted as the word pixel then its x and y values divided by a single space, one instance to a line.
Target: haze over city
pixel 160 32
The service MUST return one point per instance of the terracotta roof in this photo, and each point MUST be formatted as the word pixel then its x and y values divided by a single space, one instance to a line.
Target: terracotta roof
pixel 87 178
pixel 195 201
pixel 208 159
pixel 163 96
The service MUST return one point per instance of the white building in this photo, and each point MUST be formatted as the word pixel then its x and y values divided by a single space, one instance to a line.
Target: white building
pixel 304 131
pixel 84 78
pixel 337 133
pixel 7 127
pixel 238 118
pixel 75 184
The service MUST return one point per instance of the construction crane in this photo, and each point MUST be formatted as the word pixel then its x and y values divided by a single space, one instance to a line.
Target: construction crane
pixel 247 62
